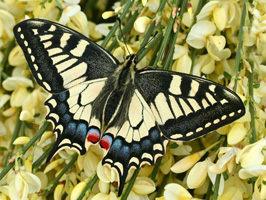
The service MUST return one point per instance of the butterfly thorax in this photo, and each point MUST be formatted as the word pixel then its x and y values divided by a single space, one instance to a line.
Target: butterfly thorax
pixel 125 73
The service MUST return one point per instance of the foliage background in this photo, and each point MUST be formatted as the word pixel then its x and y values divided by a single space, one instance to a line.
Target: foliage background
pixel 221 40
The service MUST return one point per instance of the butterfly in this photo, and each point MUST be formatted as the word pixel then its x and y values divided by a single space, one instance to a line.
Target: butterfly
pixel 131 113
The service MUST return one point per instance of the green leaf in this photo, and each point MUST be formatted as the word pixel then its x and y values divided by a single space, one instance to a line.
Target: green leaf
pixel 3 149
pixel 227 76
pixel 256 85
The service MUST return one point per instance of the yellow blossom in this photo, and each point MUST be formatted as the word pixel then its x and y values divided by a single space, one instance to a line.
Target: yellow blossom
pixel 21 140
pixel 199 34
pixel 226 160
pixel 237 133
pixel 77 190
pixel 252 154
pixel 176 191
pixel 58 192
pixel 143 185
pixel 22 183
pixel 215 47
pixel 198 174
pixel 141 24
pixel 187 162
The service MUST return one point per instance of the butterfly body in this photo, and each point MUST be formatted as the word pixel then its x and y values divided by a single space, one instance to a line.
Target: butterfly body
pixel 131 113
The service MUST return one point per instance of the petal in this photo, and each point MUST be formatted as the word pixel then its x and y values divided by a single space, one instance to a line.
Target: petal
pixel 108 14
pixel 59 192
pixel 183 64
pixel 53 165
pixel 33 181
pixel 77 190
pixel 251 155
pixel 252 171
pixel 207 10
pixel 141 24
pixel 187 162
pixel 176 191
pixel 197 175
pixel 197 37
pixel 11 83
pixel 237 133
pixel 21 140
pixel 220 16
pixel 143 185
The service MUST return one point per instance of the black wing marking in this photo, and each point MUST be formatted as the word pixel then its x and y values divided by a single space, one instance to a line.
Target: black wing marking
pixel 60 57
pixel 133 137
pixel 75 116
pixel 185 106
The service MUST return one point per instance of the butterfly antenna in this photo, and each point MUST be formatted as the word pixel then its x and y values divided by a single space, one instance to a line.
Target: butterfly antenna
pixel 143 47
pixel 120 27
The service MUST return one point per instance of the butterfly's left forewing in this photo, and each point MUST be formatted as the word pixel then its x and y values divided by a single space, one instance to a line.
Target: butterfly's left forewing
pixel 185 106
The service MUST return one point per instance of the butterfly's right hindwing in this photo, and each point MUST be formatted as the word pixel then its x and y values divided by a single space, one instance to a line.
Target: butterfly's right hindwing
pixel 59 57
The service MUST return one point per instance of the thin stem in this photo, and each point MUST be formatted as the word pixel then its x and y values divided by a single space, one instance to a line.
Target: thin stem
pixel 156 169
pixel 11 145
pixel 5 58
pixel 159 59
pixel 25 149
pixel 173 38
pixel 161 187
pixel 89 186
pixel 216 187
pixel 126 30
pixel 113 30
pixel 240 43
pixel 39 161
pixel 130 185
pixel 53 184
pixel 251 105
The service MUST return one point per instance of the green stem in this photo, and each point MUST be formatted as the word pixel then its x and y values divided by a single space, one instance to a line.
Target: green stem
pixel 169 56
pixel 39 161
pixel 240 43
pixel 5 58
pixel 25 149
pixel 53 184
pixel 89 186
pixel 251 104
pixel 162 185
pixel 152 44
pixel 130 185
pixel 125 30
pixel 161 52
pixel 216 187
pixel 112 31
pixel 156 169
pixel 11 145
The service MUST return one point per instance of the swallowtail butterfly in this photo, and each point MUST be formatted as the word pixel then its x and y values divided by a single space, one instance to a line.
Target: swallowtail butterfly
pixel 131 113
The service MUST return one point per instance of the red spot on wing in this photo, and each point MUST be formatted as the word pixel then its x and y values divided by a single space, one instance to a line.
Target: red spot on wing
pixel 93 135
pixel 106 142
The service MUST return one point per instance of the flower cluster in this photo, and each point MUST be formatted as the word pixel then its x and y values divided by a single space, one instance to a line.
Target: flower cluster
pixel 223 41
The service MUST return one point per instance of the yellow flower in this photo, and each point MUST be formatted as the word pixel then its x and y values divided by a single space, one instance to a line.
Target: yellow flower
pixel 226 160
pixel 79 23
pixel 141 24
pixel 258 171
pixel 21 184
pixel 102 196
pixel 182 59
pixel 237 133
pixel 199 34
pixel 204 64
pixel 143 186
pixel 223 13
pixel 187 162
pixel 215 48
pixel 70 8
pixel 198 174
pixel 176 191
pixel 21 140
pixel 252 154
pixel 153 5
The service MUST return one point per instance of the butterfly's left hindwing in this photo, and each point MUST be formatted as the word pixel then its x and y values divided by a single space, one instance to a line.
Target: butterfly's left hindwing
pixel 185 106
pixel 76 115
